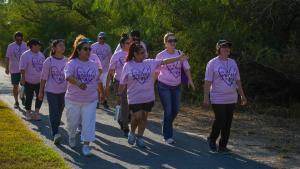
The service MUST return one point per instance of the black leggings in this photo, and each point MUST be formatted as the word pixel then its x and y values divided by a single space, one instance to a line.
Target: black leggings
pixel 222 123
pixel 30 89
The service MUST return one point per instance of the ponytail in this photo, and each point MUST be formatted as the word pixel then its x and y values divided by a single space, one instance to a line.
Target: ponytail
pixel 133 49
pixel 124 38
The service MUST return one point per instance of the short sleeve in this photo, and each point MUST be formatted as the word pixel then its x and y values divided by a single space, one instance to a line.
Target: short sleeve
pixel 209 72
pixel 23 62
pixel 186 65
pixel 8 52
pixel 69 69
pixel 154 63
pixel 158 56
pixel 96 59
pixel 124 74
pixel 46 69
pixel 113 63
pixel 238 77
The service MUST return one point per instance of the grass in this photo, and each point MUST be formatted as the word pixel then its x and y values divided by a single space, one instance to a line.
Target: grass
pixel 20 148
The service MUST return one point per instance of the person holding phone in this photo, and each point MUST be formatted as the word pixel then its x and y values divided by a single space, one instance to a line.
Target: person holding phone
pixel 221 88
pixel 169 81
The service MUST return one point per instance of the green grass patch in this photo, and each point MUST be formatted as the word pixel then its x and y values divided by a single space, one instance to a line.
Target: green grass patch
pixel 20 148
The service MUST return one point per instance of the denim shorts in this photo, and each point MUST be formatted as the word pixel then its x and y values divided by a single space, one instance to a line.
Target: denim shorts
pixel 15 78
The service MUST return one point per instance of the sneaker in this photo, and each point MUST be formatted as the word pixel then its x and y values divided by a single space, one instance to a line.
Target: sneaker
pixel 57 138
pixel 86 150
pixel 131 138
pixel 170 141
pixel 212 145
pixel 126 131
pixel 72 142
pixel 28 116
pixel 224 150
pixel 16 105
pixel 140 142
pixel 105 105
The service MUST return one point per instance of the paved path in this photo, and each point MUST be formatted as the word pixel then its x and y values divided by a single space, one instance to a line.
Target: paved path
pixel 111 149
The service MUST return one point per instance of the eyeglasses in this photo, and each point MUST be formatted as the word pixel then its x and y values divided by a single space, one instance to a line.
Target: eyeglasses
pixel 172 41
pixel 102 38
pixel 87 49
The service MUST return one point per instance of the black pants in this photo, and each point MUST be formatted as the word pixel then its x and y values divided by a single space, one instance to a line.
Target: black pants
pixel 56 107
pixel 222 123
pixel 30 89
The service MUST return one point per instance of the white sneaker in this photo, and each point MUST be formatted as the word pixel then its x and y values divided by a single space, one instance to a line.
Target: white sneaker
pixel 170 141
pixel 72 142
pixel 57 138
pixel 86 150
pixel 131 138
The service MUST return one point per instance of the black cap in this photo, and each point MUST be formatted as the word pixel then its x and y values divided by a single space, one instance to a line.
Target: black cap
pixel 135 33
pixel 224 43
pixel 34 42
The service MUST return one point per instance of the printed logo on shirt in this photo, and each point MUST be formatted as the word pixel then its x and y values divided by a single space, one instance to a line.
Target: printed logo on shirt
pixel 86 76
pixel 122 61
pixel 174 69
pixel 227 75
pixel 18 51
pixel 57 74
pixel 141 75
pixel 37 64
pixel 102 54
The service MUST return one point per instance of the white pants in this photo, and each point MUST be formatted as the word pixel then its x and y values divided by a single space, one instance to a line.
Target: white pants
pixel 103 78
pixel 84 114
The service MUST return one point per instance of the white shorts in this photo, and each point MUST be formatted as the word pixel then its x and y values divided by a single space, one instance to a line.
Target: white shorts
pixel 84 114
pixel 103 78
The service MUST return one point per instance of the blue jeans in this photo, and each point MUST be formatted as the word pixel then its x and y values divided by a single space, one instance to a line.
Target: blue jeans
pixel 56 106
pixel 170 99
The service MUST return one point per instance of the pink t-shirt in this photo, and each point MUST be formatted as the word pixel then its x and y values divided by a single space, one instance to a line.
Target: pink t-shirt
pixel 104 54
pixel 170 74
pixel 94 58
pixel 53 73
pixel 32 63
pixel 117 62
pixel 88 73
pixel 223 75
pixel 139 78
pixel 13 53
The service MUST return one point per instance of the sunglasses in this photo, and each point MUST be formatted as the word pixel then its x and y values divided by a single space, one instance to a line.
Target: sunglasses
pixel 87 49
pixel 172 41
pixel 102 38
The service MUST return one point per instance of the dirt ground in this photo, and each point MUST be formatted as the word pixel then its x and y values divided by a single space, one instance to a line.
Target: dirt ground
pixel 270 140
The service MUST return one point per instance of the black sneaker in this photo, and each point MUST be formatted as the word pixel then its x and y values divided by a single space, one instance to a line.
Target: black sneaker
pixel 105 105
pixel 16 105
pixel 212 145
pixel 126 131
pixel 224 150
pixel 98 105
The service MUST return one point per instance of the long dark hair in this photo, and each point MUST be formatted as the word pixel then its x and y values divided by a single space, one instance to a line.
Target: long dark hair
pixel 53 44
pixel 78 44
pixel 134 48
pixel 124 38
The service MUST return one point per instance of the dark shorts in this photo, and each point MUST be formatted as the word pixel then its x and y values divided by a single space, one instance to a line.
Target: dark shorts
pixel 147 107
pixel 15 78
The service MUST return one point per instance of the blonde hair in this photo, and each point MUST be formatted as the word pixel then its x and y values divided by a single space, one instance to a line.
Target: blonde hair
pixel 77 40
pixel 167 35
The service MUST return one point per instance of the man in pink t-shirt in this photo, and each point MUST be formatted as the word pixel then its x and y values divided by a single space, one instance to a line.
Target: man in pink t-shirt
pixel 103 51
pixel 13 54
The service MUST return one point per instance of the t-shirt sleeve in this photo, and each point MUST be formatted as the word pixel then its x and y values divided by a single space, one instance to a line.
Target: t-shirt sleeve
pixel 113 63
pixel 209 72
pixel 124 75
pixel 8 52
pixel 186 65
pixel 23 62
pixel 118 48
pixel 238 77
pixel 158 57
pixel 155 63
pixel 69 69
pixel 46 69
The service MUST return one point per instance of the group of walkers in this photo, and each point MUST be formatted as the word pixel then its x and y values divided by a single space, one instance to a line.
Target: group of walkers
pixel 81 82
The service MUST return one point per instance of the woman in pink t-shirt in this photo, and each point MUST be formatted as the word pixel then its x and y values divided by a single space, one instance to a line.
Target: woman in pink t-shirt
pixel 31 64
pixel 115 69
pixel 54 84
pixel 83 77
pixel 169 81
pixel 138 77
pixel 221 88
